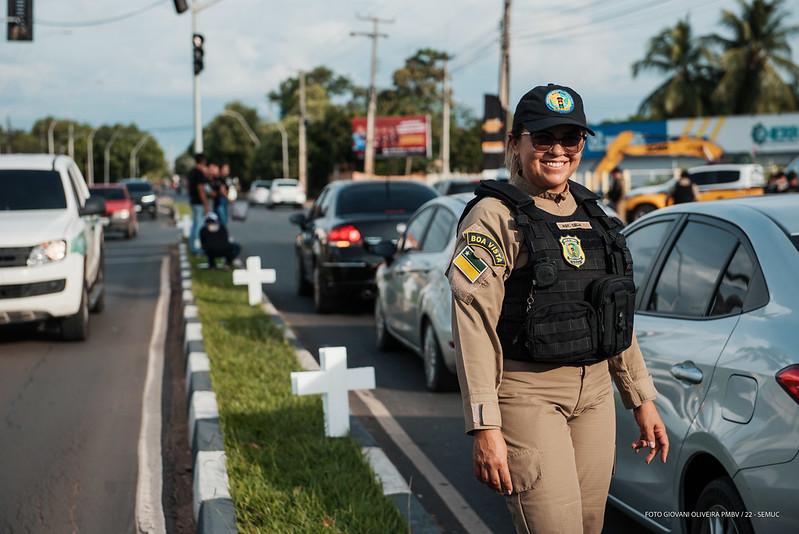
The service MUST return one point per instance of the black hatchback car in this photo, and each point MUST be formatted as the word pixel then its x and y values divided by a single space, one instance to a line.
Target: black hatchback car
pixel 332 262
pixel 143 195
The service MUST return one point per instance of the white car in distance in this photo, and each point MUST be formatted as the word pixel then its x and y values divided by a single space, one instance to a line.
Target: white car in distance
pixel 51 244
pixel 286 191
pixel 259 192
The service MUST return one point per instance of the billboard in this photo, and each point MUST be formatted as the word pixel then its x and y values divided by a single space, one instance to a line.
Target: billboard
pixel 395 137
pixel 493 133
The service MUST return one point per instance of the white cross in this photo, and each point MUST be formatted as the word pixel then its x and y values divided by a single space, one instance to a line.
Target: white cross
pixel 334 381
pixel 253 276
pixel 185 226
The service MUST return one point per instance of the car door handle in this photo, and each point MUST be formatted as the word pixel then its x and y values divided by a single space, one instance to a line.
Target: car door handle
pixel 687 371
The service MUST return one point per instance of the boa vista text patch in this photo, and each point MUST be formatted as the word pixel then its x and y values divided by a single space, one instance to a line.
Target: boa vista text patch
pixel 477 239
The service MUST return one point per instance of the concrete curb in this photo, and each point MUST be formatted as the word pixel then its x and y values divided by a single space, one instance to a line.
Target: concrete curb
pixel 394 486
pixel 214 511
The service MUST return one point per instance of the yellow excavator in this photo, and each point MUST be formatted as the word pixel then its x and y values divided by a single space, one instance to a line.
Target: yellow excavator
pixel 639 202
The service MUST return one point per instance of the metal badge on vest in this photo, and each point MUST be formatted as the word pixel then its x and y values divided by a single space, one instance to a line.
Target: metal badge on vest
pixel 573 302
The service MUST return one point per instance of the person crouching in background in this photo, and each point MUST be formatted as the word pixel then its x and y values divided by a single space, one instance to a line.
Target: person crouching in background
pixel 216 242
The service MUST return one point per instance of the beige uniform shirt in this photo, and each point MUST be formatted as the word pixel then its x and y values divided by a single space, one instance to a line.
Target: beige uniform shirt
pixel 476 307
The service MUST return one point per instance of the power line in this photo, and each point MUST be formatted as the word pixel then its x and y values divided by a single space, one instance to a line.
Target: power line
pixel 99 22
pixel 477 55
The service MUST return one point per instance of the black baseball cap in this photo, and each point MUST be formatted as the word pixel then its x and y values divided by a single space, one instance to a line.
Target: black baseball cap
pixel 550 105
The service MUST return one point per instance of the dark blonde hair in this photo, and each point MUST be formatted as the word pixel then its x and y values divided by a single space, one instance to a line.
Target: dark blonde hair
pixel 512 161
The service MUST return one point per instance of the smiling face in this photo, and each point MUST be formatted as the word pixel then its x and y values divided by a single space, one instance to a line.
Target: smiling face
pixel 551 169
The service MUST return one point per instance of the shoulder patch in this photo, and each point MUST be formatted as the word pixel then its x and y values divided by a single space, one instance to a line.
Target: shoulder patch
pixel 479 239
pixel 469 264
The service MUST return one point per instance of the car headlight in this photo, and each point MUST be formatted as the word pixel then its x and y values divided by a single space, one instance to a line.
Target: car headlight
pixel 121 214
pixel 47 252
pixel 148 198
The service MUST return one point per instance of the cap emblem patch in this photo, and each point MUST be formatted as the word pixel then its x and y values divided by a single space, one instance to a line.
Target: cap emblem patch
pixel 559 101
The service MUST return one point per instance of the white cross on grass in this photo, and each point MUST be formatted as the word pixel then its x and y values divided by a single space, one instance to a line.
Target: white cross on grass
pixel 252 277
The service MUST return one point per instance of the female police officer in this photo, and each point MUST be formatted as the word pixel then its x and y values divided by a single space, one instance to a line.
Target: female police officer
pixel 542 319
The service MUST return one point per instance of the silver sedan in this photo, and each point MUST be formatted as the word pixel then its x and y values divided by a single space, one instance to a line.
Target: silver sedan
pixel 718 322
pixel 413 302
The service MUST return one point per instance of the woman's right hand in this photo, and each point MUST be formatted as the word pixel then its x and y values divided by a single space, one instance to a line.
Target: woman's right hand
pixel 491 460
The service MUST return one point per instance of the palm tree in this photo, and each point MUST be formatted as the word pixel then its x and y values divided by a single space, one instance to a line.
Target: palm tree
pixel 755 58
pixel 686 91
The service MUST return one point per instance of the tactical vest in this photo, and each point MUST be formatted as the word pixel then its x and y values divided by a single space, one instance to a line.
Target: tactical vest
pixel 573 301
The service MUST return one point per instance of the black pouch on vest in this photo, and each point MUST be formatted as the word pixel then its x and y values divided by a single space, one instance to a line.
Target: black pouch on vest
pixel 562 332
pixel 613 298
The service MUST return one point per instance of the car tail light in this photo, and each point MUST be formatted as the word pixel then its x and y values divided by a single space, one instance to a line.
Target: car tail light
pixel 344 236
pixel 788 378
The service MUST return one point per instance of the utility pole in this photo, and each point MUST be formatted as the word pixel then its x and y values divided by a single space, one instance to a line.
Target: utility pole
pixel 374 35
pixel 71 142
pixel 445 126
pixel 90 157
pixel 303 164
pixel 134 156
pixel 504 65
pixel 50 141
pixel 107 160
pixel 196 7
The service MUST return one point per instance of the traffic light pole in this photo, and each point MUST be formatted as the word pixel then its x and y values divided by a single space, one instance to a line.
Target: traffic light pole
pixel 198 111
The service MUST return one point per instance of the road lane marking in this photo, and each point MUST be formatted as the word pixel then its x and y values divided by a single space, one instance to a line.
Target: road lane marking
pixel 149 508
pixel 389 476
pixel 446 491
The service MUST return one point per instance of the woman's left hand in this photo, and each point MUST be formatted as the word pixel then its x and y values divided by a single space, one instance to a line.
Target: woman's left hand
pixel 653 432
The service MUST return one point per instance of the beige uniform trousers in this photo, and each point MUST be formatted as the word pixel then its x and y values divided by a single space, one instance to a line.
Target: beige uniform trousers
pixel 560 426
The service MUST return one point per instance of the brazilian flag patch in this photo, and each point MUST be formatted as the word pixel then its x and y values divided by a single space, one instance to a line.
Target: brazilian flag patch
pixel 469 264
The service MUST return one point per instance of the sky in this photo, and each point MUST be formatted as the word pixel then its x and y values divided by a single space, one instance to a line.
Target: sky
pixel 139 69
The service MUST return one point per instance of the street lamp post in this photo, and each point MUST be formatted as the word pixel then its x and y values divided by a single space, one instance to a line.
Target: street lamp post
pixel 50 141
pixel 284 139
pixel 107 161
pixel 90 156
pixel 134 156
pixel 244 126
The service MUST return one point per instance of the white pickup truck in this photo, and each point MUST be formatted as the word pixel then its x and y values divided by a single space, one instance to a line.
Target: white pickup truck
pixel 51 244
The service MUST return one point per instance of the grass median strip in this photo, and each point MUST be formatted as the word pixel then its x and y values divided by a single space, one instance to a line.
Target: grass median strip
pixel 285 475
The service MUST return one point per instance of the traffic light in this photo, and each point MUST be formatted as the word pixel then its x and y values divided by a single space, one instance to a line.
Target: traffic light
pixel 20 20
pixel 198 40
pixel 181 6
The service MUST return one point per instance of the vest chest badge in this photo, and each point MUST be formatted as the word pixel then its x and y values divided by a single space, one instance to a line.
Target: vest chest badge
pixel 572 251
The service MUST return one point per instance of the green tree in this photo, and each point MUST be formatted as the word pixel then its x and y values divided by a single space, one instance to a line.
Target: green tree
pixel 756 59
pixel 686 91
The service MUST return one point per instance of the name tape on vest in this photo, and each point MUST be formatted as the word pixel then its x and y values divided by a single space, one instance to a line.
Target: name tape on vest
pixel 476 239
pixel 574 225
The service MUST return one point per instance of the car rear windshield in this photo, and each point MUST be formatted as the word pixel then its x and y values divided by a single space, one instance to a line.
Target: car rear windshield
pixel 31 190
pixel 109 193
pixel 462 187
pixel 139 186
pixel 389 199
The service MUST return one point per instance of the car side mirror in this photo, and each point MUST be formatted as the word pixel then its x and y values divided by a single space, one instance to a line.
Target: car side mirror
pixel 299 219
pixel 94 206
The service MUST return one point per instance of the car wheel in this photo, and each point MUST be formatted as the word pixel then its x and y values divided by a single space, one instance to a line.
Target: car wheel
pixel 721 498
pixel 642 210
pixel 99 304
pixel 384 340
pixel 304 287
pixel 436 375
pixel 76 327
pixel 129 233
pixel 321 298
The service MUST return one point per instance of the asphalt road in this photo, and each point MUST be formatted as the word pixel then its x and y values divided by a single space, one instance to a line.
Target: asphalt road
pixel 433 421
pixel 71 411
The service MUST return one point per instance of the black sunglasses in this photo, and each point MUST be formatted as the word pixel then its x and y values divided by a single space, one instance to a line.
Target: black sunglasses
pixel 543 141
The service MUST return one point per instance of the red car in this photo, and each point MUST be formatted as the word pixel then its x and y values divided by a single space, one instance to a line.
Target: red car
pixel 120 209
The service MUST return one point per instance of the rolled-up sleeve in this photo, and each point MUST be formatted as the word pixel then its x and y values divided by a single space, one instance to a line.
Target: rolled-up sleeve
pixel 476 307
pixel 631 376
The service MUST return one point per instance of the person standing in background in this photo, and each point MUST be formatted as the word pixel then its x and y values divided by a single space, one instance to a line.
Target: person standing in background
pixel 616 188
pixel 220 186
pixel 684 190
pixel 198 199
